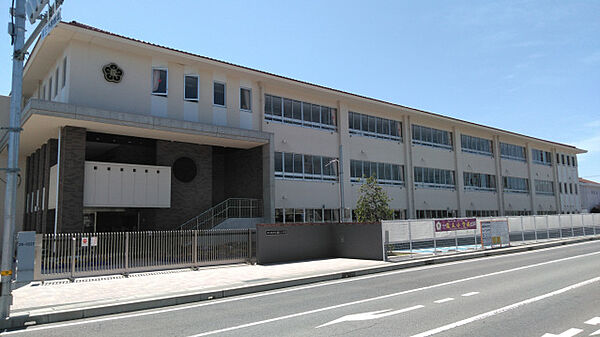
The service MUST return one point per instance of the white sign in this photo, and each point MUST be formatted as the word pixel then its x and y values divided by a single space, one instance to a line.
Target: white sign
pixel 84 242
pixel 54 20
pixel 494 234
pixel 94 241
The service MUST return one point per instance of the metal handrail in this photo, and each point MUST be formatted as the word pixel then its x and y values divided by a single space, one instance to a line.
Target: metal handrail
pixel 230 208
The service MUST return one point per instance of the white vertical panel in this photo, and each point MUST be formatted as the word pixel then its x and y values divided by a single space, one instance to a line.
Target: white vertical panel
pixel 152 187
pixel 127 187
pixel 115 181
pixel 89 183
pixel 164 187
pixel 101 186
pixel 139 187
pixel 52 188
pixel 245 119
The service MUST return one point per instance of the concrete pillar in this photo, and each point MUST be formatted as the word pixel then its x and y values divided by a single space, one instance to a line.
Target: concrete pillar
pixel 499 185
pixel 555 181
pixel 531 179
pixel 411 213
pixel 268 155
pixel 458 179
pixel 70 188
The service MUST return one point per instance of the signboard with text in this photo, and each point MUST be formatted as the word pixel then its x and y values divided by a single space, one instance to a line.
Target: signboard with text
pixel 455 224
pixel 494 234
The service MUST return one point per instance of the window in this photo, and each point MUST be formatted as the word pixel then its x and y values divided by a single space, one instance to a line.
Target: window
pixel 423 135
pixel 481 213
pixel 541 157
pixel 219 93
pixel 386 174
pixel 544 187
pixel 64 72
pixel 310 215
pixel 476 145
pixel 516 213
pixel 43 93
pixel 435 213
pixel 570 188
pixel 557 158
pixel 515 184
pixel 562 156
pixel 245 99
pixel 568 161
pixel 56 82
pixel 479 181
pixel 513 152
pixel 190 90
pixel 383 128
pixel 289 111
pixel 573 161
pixel 305 167
pixel 159 81
pixel 433 177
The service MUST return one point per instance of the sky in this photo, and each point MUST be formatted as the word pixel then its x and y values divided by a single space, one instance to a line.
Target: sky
pixel 531 67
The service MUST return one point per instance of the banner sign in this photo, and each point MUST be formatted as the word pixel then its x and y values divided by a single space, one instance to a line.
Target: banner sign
pixel 494 234
pixel 455 224
pixel 54 20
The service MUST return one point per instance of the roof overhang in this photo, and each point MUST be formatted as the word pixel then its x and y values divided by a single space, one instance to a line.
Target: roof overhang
pixel 42 120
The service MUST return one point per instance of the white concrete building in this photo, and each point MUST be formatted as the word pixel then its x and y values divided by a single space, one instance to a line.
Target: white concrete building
pixel 202 130
pixel 590 194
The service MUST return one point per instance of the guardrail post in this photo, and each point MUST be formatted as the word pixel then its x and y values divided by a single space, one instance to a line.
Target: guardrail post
pixel 535 228
pixel 547 228
pixel 73 246
pixel 410 245
pixel 250 245
pixel 456 240
pixel 593 224
pixel 522 229
pixel 126 253
pixel 195 250
pixel 560 226
pixel 434 240
pixel 582 224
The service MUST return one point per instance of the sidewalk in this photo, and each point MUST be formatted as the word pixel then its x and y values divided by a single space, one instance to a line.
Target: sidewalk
pixel 61 300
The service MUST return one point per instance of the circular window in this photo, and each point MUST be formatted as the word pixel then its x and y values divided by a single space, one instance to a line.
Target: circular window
pixel 184 169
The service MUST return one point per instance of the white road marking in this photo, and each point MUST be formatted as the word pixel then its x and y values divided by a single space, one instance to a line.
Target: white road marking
pixel 569 333
pixel 594 321
pixel 505 309
pixel 470 294
pixel 365 316
pixel 444 300
pixel 317 285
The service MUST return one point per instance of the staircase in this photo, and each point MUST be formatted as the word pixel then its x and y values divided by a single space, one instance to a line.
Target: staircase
pixel 230 208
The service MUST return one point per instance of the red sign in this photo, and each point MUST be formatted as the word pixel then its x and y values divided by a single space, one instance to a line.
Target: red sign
pixel 455 224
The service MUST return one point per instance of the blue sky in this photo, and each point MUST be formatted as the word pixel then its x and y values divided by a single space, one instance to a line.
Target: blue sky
pixel 531 67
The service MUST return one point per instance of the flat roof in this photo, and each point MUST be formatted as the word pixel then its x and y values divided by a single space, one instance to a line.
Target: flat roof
pixel 317 86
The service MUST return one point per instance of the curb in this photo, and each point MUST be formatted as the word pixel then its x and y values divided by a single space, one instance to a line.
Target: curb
pixel 20 320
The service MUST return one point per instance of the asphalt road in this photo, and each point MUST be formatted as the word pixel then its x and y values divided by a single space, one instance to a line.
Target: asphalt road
pixel 551 292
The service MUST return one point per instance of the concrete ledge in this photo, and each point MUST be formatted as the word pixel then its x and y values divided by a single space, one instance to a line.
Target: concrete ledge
pixel 19 320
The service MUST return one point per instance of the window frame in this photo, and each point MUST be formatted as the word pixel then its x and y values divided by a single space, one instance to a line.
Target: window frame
pixel 197 88
pixel 166 93
pixel 224 105
pixel 56 81
pixel 64 72
pixel 249 99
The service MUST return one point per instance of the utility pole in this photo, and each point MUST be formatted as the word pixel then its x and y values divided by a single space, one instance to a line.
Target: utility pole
pixel 12 170
pixel 16 29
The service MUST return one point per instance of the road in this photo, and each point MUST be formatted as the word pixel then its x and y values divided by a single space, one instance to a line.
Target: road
pixel 550 292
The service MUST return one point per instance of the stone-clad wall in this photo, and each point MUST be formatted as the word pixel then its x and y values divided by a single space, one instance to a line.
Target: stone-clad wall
pixel 237 173
pixel 71 174
pixel 187 199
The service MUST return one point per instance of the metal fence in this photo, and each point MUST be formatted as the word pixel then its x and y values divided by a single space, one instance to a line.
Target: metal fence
pixel 414 237
pixel 73 255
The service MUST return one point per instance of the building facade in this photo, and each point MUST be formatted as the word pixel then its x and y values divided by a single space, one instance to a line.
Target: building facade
pixel 145 137
pixel 590 194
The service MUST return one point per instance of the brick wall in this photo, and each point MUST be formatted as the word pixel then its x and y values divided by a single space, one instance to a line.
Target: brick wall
pixel 72 164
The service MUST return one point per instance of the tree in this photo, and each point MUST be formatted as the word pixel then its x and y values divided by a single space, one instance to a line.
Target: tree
pixel 372 205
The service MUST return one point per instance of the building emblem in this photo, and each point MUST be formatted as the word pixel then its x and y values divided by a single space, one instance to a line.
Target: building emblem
pixel 112 73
